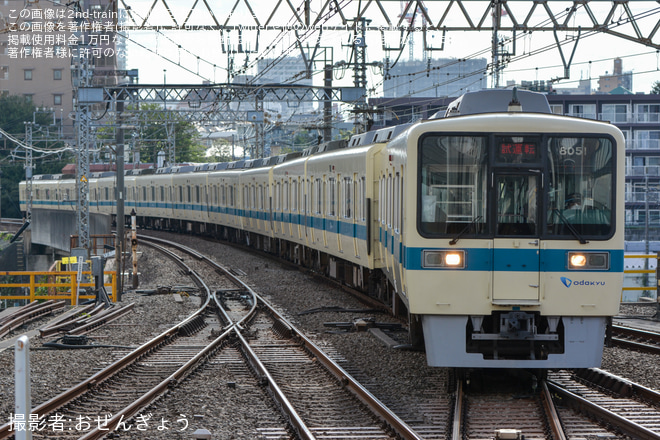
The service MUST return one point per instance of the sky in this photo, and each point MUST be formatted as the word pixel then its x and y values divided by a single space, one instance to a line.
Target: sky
pixel 191 56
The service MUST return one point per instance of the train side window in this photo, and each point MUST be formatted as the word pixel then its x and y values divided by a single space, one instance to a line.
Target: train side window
pixel 319 199
pixel 106 194
pixel 162 193
pixel 294 195
pixel 396 202
pixel 198 197
pixel 153 193
pixel 285 196
pixel 348 199
pixel 180 194
pixel 388 195
pixel 331 197
pixel 381 197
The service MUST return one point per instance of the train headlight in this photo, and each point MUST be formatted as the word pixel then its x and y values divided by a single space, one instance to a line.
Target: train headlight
pixel 444 259
pixel 588 260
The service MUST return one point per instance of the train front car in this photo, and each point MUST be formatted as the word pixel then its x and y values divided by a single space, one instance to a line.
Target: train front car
pixel 512 243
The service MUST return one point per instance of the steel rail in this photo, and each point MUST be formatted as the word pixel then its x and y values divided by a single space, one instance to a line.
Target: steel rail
pixel 70 319
pixel 101 320
pixel 297 423
pixel 385 414
pixel 551 412
pixel 112 369
pixel 624 387
pixel 401 428
pixel 621 332
pixel 457 423
pixel 626 426
pixel 29 313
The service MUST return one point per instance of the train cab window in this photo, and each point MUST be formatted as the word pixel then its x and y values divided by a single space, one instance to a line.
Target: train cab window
pixel 517 205
pixel 581 187
pixel 453 185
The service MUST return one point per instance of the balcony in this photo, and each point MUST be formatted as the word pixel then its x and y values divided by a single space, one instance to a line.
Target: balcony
pixel 643 171
pixel 643 144
pixel 621 118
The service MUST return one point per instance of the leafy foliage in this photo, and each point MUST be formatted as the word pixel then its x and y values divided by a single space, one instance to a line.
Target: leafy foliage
pixel 656 88
pixel 153 138
pixel 14 112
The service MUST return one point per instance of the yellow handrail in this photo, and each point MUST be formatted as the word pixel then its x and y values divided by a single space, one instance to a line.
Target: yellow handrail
pixel 66 282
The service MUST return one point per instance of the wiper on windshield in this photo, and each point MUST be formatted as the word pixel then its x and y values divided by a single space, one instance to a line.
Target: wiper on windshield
pixel 570 227
pixel 465 229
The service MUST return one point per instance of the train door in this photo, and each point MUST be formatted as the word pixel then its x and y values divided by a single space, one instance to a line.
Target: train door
pixel 516 259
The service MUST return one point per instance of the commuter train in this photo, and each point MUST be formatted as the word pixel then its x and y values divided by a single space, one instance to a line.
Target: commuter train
pixel 496 227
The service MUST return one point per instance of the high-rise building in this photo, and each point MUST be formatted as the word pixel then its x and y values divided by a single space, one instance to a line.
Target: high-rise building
pixel 618 78
pixel 440 77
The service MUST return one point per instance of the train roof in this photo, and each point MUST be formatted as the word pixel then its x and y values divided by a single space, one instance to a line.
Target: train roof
pixel 377 136
pixel 496 101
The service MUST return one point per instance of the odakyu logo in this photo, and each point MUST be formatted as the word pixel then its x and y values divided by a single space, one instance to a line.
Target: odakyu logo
pixel 569 282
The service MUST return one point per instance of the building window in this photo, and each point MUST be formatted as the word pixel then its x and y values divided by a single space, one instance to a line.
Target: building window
pixel 57 74
pixel 557 109
pixel 57 99
pixel 4 72
pixel 648 113
pixel 616 113
pixel 27 74
pixel 583 110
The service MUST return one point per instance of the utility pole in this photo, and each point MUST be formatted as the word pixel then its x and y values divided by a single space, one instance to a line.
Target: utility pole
pixel 119 242
pixel 495 42
pixel 82 79
pixel 360 68
pixel 327 103
pixel 28 172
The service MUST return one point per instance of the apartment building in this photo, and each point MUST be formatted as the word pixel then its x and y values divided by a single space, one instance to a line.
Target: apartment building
pixel 638 117
pixel 39 46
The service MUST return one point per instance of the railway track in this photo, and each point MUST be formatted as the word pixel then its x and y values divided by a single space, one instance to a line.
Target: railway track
pixel 28 313
pixel 628 409
pixel 313 392
pixel 636 339
pixel 293 370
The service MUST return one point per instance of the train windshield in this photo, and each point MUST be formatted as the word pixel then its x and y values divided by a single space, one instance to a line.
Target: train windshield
pixel 580 189
pixel 453 184
pixel 557 187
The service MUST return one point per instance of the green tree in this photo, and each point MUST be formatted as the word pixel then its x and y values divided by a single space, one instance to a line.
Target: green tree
pixel 153 138
pixel 14 112
pixel 656 88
